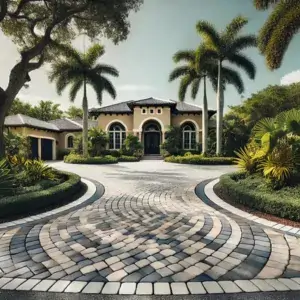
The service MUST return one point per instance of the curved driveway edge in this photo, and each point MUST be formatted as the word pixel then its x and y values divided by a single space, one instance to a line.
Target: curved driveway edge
pixel 94 191
pixel 209 191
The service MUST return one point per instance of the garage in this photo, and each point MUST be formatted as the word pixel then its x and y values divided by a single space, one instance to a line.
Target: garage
pixel 34 147
pixel 46 149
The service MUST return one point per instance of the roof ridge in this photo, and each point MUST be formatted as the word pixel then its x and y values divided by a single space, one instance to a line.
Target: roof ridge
pixel 21 118
pixel 74 122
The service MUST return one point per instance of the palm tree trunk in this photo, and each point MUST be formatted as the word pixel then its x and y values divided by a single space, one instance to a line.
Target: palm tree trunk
pixel 85 122
pixel 204 119
pixel 220 108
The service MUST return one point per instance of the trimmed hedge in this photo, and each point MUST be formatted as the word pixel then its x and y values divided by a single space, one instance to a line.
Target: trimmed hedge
pixel 100 160
pixel 33 201
pixel 252 192
pixel 125 158
pixel 200 160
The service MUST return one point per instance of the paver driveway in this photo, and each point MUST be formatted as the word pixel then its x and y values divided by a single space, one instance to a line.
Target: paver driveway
pixel 149 227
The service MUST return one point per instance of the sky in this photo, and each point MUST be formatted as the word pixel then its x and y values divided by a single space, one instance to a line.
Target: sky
pixel 144 60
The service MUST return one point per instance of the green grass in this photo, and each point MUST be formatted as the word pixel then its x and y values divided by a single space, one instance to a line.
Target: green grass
pixel 200 160
pixel 252 192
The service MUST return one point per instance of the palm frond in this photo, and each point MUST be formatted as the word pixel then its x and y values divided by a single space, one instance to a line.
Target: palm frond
pixel 243 62
pixel 242 43
pixel 93 54
pixel 266 125
pixel 264 4
pixel 231 76
pixel 185 55
pixel 74 89
pixel 105 69
pixel 68 52
pixel 233 28
pixel 184 84
pixel 195 87
pixel 209 34
pixel 178 72
pixel 281 37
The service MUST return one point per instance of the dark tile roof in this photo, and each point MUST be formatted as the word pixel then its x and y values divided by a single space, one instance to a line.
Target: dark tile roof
pixel 91 123
pixel 126 107
pixel 66 124
pixel 22 120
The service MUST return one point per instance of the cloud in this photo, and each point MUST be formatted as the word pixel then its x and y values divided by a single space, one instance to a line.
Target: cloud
pixel 134 87
pixel 290 78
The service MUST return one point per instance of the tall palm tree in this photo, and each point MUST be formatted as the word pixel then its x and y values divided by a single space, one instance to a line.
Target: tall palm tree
pixel 79 70
pixel 227 46
pixel 200 67
pixel 279 29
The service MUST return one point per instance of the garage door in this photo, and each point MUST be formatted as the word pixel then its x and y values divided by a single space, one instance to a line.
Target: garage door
pixel 47 149
pixel 34 148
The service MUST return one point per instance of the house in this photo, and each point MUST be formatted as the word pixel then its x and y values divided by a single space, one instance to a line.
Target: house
pixel 148 119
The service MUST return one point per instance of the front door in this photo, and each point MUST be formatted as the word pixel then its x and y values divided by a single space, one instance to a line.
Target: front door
pixel 47 149
pixel 152 142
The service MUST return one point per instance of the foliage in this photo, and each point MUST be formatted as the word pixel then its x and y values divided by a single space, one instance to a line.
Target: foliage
pixel 74 112
pixel 61 153
pixel 17 144
pixel 98 141
pixel 132 146
pixel 246 159
pixel 278 30
pixel 79 159
pixel 126 158
pixel 200 160
pixel 20 107
pixel 7 181
pixel 37 200
pixel 114 153
pixel 173 141
pixel 252 192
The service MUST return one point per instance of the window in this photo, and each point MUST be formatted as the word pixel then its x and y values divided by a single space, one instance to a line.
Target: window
pixel 144 111
pixel 189 137
pixel 70 141
pixel 159 111
pixel 117 135
pixel 151 111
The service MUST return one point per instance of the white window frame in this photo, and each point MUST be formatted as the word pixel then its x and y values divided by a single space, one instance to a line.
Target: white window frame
pixel 66 140
pixel 190 132
pixel 161 111
pixel 153 109
pixel 114 132
pixel 144 113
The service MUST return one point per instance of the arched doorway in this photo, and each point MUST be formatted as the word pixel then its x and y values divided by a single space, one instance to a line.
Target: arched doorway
pixel 152 137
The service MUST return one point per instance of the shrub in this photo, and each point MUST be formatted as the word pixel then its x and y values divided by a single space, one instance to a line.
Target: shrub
pixel 125 158
pixel 200 160
pixel 173 142
pixel 114 153
pixel 132 146
pixel 7 181
pixel 61 153
pixel 16 144
pixel 98 141
pixel 252 192
pixel 78 159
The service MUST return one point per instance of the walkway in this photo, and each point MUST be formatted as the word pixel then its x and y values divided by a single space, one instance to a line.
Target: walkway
pixel 149 227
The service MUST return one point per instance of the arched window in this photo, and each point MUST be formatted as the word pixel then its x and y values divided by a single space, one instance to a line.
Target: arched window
pixel 70 141
pixel 189 136
pixel 117 135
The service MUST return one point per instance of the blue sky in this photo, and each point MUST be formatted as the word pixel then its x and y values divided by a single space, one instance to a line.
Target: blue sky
pixel 144 60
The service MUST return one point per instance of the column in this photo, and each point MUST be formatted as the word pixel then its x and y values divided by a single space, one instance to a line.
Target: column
pixel 54 149
pixel 40 148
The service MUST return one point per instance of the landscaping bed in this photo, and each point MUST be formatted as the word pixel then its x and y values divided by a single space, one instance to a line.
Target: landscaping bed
pixel 38 198
pixel 251 192
pixel 200 160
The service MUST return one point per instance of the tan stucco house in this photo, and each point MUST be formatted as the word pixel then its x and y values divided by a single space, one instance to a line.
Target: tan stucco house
pixel 149 119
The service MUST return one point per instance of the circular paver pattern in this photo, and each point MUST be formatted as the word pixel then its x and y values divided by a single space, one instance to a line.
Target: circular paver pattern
pixel 149 227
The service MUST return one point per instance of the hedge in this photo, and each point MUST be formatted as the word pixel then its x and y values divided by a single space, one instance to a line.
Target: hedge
pixel 200 160
pixel 125 158
pixel 78 159
pixel 252 192
pixel 33 201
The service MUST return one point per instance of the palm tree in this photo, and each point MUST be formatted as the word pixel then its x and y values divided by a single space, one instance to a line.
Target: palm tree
pixel 279 29
pixel 227 46
pixel 198 66
pixel 81 69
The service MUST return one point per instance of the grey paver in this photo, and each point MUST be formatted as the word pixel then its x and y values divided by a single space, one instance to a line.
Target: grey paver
pixel 12 285
pixel 93 288
pixel 162 288
pixel 127 288
pixel 247 286
pixel 229 287
pixel 44 285
pixel 75 287
pixel 292 285
pixel 179 288
pixel 263 285
pixel 59 286
pixel 111 288
pixel 279 286
pixel 196 288
pixel 144 288
pixel 4 281
pixel 212 287
pixel 28 284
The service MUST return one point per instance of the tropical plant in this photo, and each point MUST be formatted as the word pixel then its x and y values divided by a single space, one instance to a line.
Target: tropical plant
pixel 79 70
pixel 16 144
pixel 279 29
pixel 199 66
pixel 7 181
pixel 74 112
pixel 227 46
pixel 246 160
pixel 98 140
pixel 132 146
pixel 173 141
pixel 46 111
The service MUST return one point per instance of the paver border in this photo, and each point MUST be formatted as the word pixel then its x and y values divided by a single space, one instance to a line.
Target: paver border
pixel 95 190
pixel 209 192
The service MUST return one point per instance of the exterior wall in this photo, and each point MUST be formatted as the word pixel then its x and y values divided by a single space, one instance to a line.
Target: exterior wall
pixel 104 121
pixel 178 120
pixel 62 138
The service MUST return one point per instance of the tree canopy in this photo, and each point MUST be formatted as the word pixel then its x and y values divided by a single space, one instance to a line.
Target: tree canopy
pixel 74 112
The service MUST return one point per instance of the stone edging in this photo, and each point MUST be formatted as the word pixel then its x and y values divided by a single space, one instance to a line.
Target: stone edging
pixel 91 190
pixel 209 191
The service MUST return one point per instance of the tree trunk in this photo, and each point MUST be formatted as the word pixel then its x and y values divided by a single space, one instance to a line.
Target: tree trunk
pixel 85 122
pixel 220 108
pixel 2 118
pixel 204 119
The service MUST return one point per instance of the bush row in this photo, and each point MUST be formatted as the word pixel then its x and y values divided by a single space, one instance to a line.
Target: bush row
pixel 100 160
pixel 33 201
pixel 251 192
pixel 200 160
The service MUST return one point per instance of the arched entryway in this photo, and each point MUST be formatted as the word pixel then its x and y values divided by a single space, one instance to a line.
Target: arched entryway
pixel 152 137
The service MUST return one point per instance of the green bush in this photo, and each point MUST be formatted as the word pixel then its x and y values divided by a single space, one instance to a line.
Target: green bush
pixel 114 153
pixel 173 142
pixel 61 153
pixel 16 144
pixel 78 159
pixel 132 146
pixel 7 180
pixel 30 202
pixel 252 192
pixel 200 160
pixel 98 141
pixel 125 158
